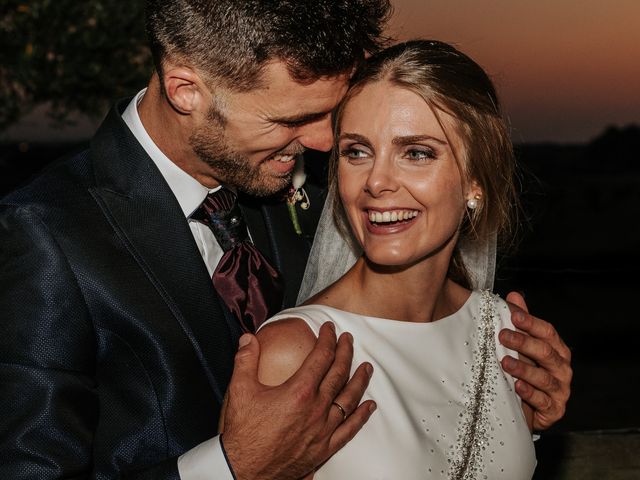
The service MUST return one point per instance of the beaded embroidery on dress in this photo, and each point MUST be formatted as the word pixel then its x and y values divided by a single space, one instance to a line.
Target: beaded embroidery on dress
pixel 474 428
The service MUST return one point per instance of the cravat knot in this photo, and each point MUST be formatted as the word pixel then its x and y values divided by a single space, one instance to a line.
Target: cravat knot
pixel 222 214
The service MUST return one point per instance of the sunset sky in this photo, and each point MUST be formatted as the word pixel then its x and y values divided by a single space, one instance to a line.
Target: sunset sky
pixel 565 69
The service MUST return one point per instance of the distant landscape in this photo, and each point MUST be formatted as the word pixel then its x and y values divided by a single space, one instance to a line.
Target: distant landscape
pixel 578 264
pixel 577 260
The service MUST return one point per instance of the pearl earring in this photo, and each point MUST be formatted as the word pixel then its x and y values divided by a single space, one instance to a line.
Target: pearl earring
pixel 472 203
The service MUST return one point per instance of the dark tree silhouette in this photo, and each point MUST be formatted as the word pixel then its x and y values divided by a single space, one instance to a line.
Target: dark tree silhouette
pixel 76 56
pixel 617 150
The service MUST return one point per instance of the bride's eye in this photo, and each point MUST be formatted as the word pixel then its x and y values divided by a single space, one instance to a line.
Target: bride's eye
pixel 353 153
pixel 420 154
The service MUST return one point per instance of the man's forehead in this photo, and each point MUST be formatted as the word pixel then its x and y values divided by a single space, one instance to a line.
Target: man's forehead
pixel 278 72
pixel 287 100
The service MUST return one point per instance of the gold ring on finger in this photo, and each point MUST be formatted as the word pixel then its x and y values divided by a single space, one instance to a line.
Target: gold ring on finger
pixel 344 414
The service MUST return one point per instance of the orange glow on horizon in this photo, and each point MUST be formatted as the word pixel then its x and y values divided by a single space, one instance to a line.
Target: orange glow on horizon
pixel 565 70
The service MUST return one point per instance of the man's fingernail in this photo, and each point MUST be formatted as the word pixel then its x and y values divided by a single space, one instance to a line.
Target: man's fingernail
pixel 522 387
pixel 518 317
pixel 509 362
pixel 508 335
pixel 349 337
pixel 369 369
pixel 244 340
pixel 372 407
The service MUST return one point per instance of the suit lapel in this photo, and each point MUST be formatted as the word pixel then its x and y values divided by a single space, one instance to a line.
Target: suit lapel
pixel 143 211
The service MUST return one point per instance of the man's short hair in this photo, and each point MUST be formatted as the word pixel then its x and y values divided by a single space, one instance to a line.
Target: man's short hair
pixel 230 41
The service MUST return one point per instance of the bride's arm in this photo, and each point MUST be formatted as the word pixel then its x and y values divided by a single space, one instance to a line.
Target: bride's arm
pixel 295 426
pixel 284 345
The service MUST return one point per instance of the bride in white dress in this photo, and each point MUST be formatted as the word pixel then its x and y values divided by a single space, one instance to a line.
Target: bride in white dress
pixel 423 173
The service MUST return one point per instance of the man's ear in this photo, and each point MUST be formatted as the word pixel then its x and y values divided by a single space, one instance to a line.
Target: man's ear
pixel 185 89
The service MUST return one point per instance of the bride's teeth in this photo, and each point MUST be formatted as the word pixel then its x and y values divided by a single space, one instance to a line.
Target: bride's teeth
pixel 391 216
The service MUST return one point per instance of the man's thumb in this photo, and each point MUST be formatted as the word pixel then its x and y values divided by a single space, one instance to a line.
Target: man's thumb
pixel 247 358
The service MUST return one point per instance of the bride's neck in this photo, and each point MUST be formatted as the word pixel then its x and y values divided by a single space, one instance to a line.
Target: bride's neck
pixel 417 293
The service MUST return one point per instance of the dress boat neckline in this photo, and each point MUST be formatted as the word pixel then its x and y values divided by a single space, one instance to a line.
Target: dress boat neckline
pixel 391 321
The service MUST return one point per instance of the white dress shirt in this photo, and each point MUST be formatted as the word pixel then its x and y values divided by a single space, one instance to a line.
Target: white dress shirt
pixel 207 460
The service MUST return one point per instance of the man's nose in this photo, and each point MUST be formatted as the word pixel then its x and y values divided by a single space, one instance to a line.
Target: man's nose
pixel 317 135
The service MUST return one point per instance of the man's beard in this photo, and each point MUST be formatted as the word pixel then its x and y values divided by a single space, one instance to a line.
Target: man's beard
pixel 234 169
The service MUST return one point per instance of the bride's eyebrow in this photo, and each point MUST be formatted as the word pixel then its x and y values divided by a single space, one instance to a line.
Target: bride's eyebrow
pixel 409 139
pixel 353 136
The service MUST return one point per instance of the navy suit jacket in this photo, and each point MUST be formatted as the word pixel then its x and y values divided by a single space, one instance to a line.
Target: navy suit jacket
pixel 115 350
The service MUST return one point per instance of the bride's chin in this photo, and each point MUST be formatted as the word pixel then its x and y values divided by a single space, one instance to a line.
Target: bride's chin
pixel 387 264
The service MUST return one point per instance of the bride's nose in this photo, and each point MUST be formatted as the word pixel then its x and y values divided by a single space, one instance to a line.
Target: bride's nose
pixel 382 177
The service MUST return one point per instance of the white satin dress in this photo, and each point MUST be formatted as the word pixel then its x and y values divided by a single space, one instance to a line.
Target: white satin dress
pixel 446 410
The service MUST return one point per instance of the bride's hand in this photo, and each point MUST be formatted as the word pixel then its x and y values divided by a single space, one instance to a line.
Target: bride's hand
pixel 545 385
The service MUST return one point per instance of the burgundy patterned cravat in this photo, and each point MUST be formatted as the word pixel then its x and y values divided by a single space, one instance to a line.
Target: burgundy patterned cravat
pixel 250 287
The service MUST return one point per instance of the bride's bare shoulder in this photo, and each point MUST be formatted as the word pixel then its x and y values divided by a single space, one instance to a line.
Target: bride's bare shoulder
pixel 284 345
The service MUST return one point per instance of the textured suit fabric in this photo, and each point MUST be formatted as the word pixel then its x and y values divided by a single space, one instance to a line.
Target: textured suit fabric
pixel 115 350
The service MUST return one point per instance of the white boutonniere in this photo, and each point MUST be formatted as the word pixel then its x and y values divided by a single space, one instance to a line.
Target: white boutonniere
pixel 297 194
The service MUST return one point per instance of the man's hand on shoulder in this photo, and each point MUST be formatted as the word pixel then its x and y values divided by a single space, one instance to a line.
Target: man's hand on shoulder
pixel 544 385
pixel 287 430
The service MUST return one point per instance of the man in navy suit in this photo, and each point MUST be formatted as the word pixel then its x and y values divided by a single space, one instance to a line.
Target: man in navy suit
pixel 116 349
